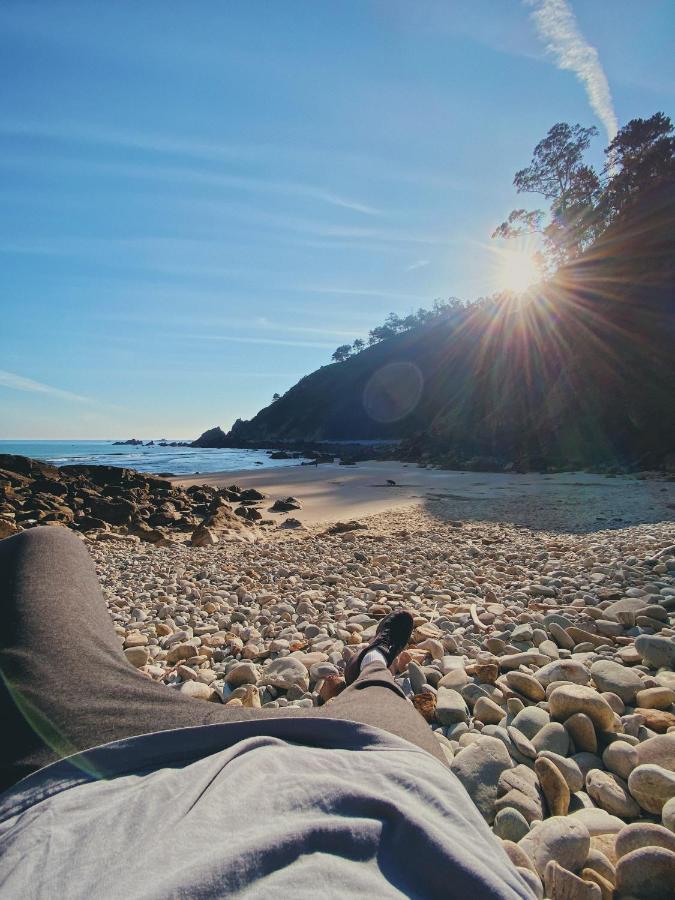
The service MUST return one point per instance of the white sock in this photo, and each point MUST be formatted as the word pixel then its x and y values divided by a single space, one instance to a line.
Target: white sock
pixel 374 656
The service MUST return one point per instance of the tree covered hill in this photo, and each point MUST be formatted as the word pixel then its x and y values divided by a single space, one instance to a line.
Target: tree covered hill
pixel 580 371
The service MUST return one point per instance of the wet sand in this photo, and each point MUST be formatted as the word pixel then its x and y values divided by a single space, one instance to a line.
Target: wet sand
pixel 571 501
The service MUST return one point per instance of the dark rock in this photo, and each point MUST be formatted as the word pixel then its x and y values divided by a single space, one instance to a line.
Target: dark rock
pixel 286 505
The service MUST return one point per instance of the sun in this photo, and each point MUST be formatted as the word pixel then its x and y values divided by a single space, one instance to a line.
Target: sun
pixel 519 270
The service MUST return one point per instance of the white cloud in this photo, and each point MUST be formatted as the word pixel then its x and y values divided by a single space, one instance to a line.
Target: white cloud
pixel 19 383
pixel 557 26
pixel 172 147
pixel 419 264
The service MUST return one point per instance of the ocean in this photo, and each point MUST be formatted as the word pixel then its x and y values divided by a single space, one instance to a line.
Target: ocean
pixel 178 460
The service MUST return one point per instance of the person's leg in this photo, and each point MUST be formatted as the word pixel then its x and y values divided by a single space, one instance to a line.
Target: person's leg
pixel 375 699
pixel 65 684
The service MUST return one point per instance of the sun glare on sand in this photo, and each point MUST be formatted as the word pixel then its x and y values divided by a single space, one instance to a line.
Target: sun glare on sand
pixel 518 271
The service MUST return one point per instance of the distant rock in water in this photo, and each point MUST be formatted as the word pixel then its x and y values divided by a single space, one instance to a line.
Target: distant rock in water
pixel 214 437
pixel 132 442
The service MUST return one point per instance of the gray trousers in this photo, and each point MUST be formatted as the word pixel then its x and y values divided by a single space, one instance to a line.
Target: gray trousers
pixel 66 686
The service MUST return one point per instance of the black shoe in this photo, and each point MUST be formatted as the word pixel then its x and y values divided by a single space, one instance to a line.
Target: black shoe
pixel 391 637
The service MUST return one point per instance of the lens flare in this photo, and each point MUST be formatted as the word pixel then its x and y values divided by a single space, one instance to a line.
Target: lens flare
pixel 519 271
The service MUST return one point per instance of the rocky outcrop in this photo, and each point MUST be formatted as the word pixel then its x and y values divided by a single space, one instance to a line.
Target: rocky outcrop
pixel 104 499
pixel 214 437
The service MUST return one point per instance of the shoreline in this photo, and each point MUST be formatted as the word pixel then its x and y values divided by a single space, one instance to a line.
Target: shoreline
pixel 570 501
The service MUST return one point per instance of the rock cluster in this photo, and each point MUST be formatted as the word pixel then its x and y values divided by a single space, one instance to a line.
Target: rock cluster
pixel 107 501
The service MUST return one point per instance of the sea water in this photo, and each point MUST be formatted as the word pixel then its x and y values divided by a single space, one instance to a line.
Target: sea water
pixel 177 460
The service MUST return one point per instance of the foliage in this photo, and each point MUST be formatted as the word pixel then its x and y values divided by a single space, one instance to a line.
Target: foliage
pixel 395 324
pixel 342 353
pixel 582 203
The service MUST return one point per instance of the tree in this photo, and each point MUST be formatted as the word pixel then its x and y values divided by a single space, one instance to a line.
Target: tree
pixel 642 155
pixel 358 345
pixel 342 353
pixel 558 172
pixel 276 397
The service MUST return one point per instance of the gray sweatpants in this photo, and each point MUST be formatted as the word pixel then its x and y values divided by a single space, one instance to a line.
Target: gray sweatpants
pixel 66 686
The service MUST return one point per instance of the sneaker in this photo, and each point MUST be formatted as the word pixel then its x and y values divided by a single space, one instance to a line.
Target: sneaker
pixel 391 637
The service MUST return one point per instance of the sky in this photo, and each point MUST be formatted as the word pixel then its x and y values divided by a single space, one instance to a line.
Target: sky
pixel 202 200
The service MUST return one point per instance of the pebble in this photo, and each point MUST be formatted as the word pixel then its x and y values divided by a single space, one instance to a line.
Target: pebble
pixel 510 825
pixel 620 758
pixel 569 699
pixel 611 794
pixel 613 677
pixel 645 874
pixel 552 737
pixel 450 707
pixel 668 814
pixel 568 768
pixel 561 664
pixel 478 767
pixel 554 786
pixel 643 834
pixel 652 786
pixel 561 838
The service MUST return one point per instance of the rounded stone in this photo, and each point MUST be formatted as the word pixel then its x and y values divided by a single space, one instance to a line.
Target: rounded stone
pixel 286 672
pixel 478 767
pixel 552 737
pixel 554 786
pixel 656 652
pixel 652 786
pixel 510 825
pixel 645 873
pixel 600 863
pixel 137 656
pixel 611 794
pixel 565 670
pixel 659 750
pixel 668 814
pixel 521 743
pixel 620 680
pixel 488 711
pixel 655 698
pixel 561 838
pixel 568 768
pixel 242 673
pixel 559 882
pixel 530 720
pixel 196 689
pixel 569 699
pixel 643 834
pixel 582 732
pixel 598 821
pixel 620 758
pixel 526 685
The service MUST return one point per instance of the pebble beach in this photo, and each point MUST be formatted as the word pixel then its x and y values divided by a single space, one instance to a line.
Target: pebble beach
pixel 542 656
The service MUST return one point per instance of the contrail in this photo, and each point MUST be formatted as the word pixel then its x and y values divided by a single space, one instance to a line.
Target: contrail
pixel 19 383
pixel 558 27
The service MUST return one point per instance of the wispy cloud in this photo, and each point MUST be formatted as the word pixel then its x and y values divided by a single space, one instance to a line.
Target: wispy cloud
pixel 181 174
pixel 19 383
pixel 361 292
pixel 235 339
pixel 557 26
pixel 419 264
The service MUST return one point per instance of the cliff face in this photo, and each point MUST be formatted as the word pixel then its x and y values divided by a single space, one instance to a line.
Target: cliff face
pixel 583 372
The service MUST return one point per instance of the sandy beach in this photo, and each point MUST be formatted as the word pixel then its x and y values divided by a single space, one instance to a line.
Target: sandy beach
pixel 572 501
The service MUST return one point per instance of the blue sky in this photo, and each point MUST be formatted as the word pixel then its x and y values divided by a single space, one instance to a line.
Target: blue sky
pixel 202 200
